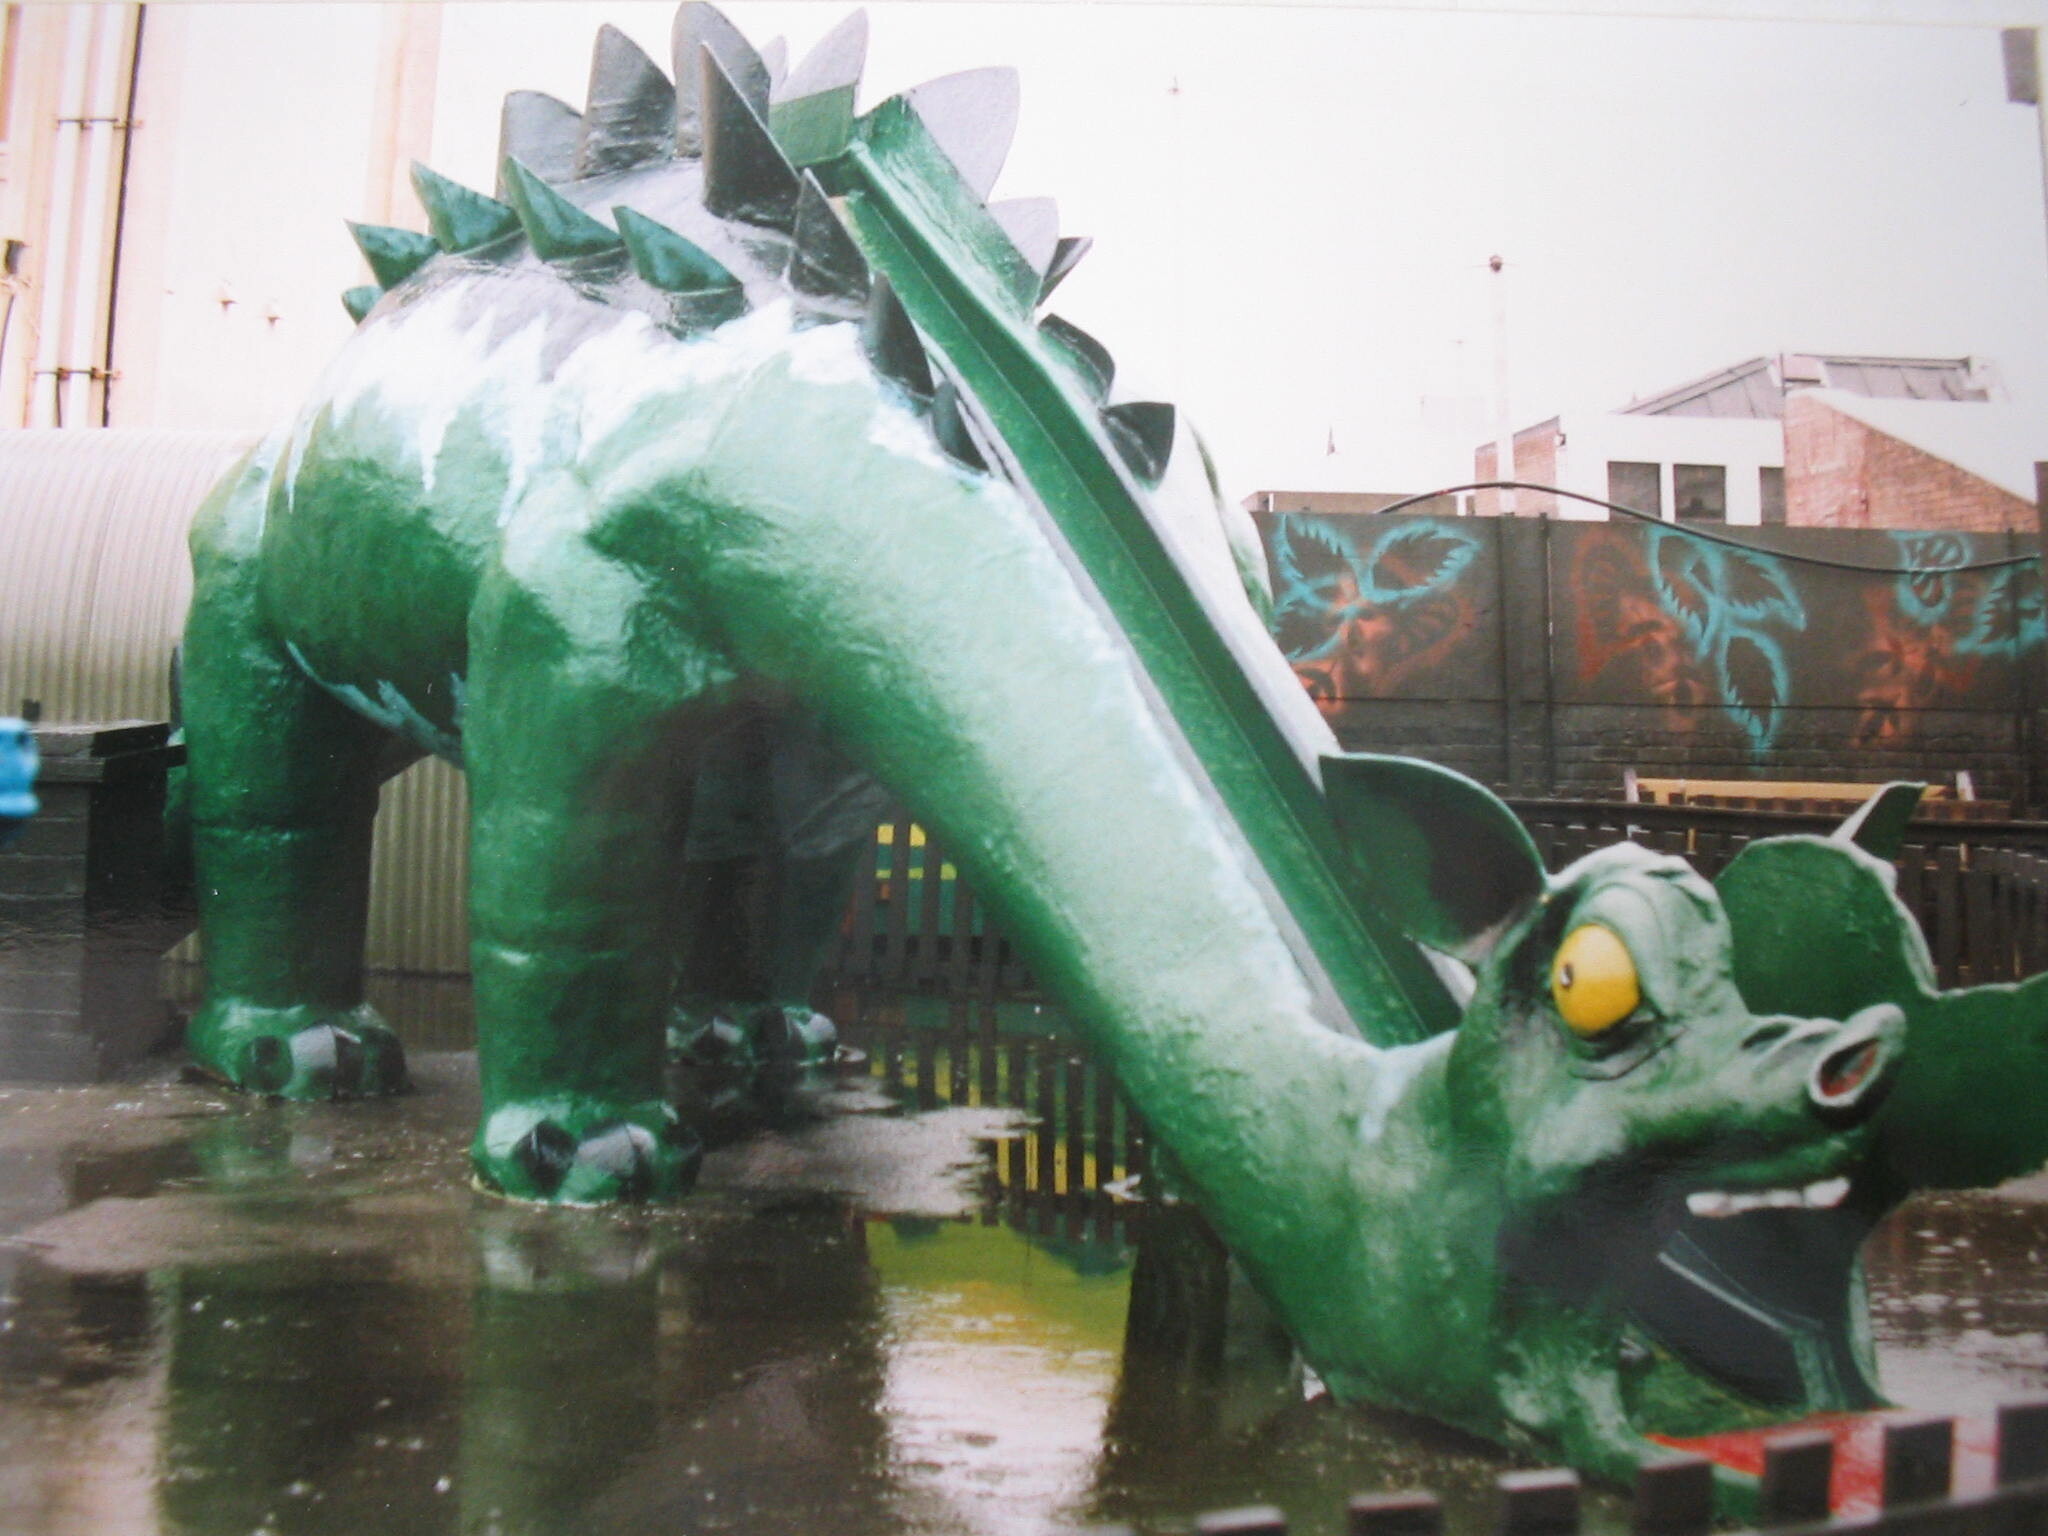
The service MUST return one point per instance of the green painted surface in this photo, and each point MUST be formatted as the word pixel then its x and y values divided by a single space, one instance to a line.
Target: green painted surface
pixel 566 521
pixel 1966 1109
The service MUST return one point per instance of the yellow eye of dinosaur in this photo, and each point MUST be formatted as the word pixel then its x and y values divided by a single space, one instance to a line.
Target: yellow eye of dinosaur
pixel 1593 981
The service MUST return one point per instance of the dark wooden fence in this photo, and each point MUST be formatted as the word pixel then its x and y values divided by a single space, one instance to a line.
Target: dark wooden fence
pixel 917 927
pixel 1979 889
pixel 1674 1495
pixel 1082 1157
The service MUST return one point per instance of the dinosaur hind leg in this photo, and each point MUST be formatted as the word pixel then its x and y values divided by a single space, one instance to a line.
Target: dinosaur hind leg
pixel 781 827
pixel 283 787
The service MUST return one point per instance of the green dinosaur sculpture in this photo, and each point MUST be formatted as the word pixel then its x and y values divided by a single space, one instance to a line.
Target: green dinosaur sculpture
pixel 733 402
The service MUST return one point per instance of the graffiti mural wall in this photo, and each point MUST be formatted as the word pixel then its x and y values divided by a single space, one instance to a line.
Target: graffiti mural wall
pixel 1380 607
pixel 1590 647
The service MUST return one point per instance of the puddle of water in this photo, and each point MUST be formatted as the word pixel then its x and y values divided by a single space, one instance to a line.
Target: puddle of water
pixel 220 1317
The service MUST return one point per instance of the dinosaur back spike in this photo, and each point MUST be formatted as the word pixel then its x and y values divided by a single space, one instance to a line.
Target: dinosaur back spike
pixel 1088 358
pixel 892 342
pixel 699 26
pixel 827 263
pixel 461 219
pixel 906 155
pixel 835 63
pixel 669 262
pixel 1033 225
pixel 359 301
pixel 1065 257
pixel 812 113
pixel 775 60
pixel 972 116
pixel 745 175
pixel 393 254
pixel 541 132
pixel 1880 823
pixel 557 229
pixel 949 425
pixel 1143 433
pixel 629 118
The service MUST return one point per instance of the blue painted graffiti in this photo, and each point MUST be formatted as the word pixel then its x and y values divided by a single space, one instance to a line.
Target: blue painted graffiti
pixel 1735 609
pixel 1325 579
pixel 1998 613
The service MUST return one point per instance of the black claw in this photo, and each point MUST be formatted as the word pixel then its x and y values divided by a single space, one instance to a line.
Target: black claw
pixel 382 1070
pixel 545 1153
pixel 347 1050
pixel 775 1038
pixel 267 1065
pixel 625 1152
pixel 691 1147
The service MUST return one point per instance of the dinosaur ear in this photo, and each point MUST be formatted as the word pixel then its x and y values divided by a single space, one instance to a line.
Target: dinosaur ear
pixel 1439 855
pixel 1879 828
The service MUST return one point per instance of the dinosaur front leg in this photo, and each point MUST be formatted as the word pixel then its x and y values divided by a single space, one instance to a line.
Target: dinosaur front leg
pixel 580 740
pixel 283 792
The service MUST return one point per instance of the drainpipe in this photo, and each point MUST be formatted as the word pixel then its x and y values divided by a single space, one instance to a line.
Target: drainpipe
pixel 126 128
pixel 75 288
pixel 59 264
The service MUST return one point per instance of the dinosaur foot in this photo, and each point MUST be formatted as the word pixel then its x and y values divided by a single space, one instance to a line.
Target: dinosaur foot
pixel 768 1037
pixel 738 1066
pixel 299 1052
pixel 564 1151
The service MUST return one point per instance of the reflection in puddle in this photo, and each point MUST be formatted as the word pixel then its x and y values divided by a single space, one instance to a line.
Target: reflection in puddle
pixel 1959 1299
pixel 1002 1359
pixel 219 1317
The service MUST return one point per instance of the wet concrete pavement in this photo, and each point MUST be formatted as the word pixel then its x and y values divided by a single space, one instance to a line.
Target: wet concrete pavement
pixel 220 1315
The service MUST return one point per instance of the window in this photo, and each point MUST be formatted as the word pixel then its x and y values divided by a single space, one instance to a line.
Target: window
pixel 1701 491
pixel 1635 486
pixel 1771 494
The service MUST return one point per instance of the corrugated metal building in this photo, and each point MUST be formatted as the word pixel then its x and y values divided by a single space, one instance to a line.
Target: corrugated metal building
pixel 94 582
pixel 1756 389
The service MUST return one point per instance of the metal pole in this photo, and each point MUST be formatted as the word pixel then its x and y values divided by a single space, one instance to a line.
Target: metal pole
pixel 1503 421
pixel 2022 49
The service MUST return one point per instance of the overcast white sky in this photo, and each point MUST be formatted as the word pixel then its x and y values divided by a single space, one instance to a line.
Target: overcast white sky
pixel 1294 206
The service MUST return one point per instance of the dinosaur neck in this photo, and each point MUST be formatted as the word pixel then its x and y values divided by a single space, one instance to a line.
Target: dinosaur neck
pixel 902 214
pixel 973 673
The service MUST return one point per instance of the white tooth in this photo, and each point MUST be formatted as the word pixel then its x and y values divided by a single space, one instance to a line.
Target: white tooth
pixel 1785 1199
pixel 1708 1202
pixel 1825 1194
pixel 1747 1202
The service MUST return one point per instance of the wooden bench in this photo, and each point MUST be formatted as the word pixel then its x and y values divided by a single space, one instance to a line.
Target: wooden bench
pixel 1941 802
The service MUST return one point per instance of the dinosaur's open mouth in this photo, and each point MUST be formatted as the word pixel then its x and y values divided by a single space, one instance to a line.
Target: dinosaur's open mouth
pixel 1739 1301
pixel 1757 1292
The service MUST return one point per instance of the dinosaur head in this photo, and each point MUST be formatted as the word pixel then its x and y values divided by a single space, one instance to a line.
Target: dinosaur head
pixel 1670 1155
pixel 1674 1172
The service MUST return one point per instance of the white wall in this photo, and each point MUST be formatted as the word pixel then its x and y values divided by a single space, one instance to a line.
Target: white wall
pixel 254 148
pixel 1592 439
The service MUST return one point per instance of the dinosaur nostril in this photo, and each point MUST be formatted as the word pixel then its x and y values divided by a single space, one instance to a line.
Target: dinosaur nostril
pixel 1766 1035
pixel 1844 1072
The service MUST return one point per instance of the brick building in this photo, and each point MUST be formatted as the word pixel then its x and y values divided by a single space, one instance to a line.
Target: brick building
pixel 1852 462
pixel 1828 440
